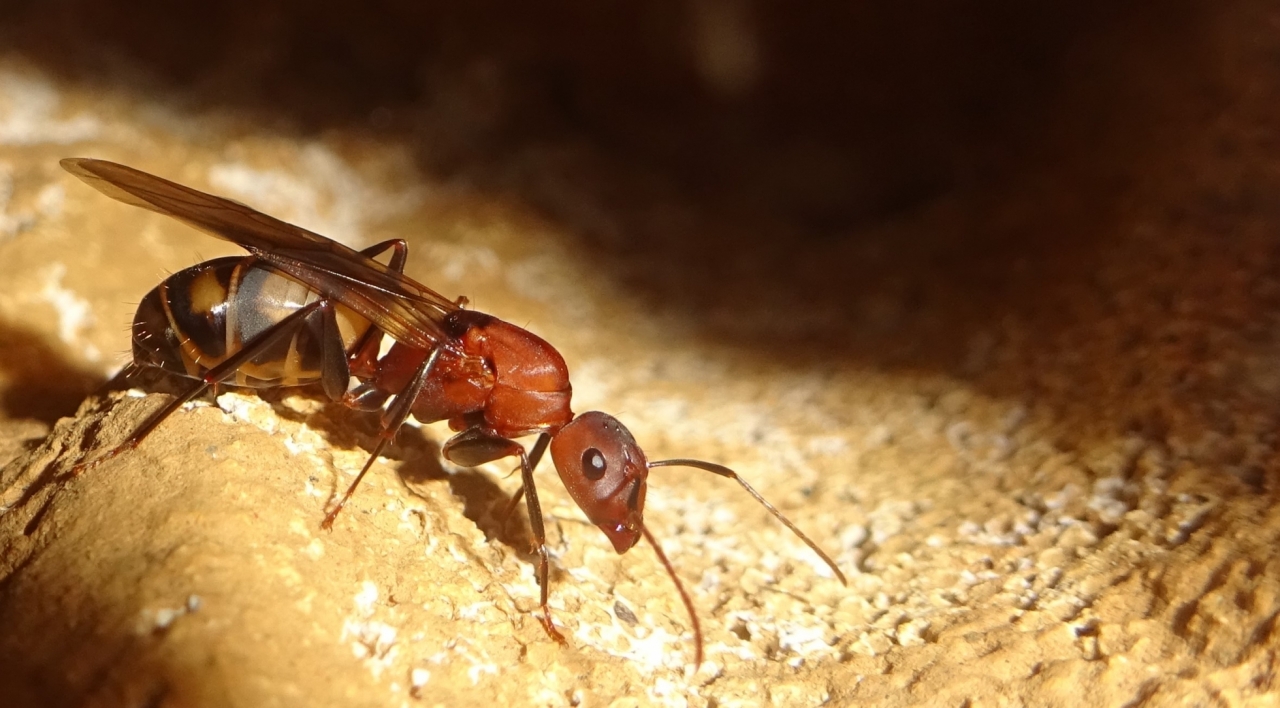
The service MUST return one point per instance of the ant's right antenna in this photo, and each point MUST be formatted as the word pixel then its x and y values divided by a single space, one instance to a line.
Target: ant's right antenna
pixel 726 472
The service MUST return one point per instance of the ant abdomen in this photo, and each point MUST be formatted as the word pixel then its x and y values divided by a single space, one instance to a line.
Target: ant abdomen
pixel 200 316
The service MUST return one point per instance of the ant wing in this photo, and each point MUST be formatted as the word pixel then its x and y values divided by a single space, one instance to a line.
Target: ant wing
pixel 408 311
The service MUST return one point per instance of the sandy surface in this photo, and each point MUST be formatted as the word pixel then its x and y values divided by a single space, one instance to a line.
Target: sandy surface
pixel 1030 410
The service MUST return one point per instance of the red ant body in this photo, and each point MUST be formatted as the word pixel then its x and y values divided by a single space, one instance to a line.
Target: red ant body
pixel 304 309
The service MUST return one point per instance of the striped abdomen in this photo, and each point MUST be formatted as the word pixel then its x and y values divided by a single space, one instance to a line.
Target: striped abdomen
pixel 199 316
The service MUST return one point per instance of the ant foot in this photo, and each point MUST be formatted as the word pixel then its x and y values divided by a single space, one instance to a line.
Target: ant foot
pixel 552 632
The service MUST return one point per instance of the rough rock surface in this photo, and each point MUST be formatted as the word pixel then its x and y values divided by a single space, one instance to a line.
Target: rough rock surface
pixel 1031 412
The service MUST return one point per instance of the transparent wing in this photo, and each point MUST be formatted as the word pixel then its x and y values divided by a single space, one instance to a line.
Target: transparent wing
pixel 408 311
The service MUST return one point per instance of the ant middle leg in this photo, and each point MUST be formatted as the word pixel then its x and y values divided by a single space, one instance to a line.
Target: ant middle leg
pixel 362 361
pixel 535 456
pixel 476 446
pixel 393 418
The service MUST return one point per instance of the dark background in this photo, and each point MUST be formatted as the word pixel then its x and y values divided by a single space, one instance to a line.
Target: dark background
pixel 850 112
pixel 908 179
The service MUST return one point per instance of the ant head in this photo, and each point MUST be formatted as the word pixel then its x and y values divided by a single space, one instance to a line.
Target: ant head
pixel 605 471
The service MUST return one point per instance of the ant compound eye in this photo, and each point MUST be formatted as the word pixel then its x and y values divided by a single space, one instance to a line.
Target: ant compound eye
pixel 593 464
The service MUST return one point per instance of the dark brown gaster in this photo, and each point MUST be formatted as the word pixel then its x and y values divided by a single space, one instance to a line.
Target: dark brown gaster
pixel 303 309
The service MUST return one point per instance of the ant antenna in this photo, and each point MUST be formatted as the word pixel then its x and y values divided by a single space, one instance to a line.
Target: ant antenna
pixel 688 604
pixel 726 472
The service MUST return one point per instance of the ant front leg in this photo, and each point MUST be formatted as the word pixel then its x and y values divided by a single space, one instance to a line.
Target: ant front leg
pixel 535 456
pixel 392 419
pixel 476 446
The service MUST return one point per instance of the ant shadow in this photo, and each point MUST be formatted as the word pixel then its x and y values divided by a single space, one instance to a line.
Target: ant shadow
pixel 417 461
pixel 40 383
pixel 55 474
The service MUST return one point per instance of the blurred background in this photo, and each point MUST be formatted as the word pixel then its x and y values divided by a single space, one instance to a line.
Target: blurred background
pixel 882 183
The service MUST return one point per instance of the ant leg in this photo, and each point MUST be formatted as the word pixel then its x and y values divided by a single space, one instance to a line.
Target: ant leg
pixel 477 446
pixel 535 456
pixel 366 353
pixel 366 397
pixel 539 535
pixel 216 375
pixel 391 422
pixel 400 253
pixel 211 378
pixel 335 368
pixel 136 437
